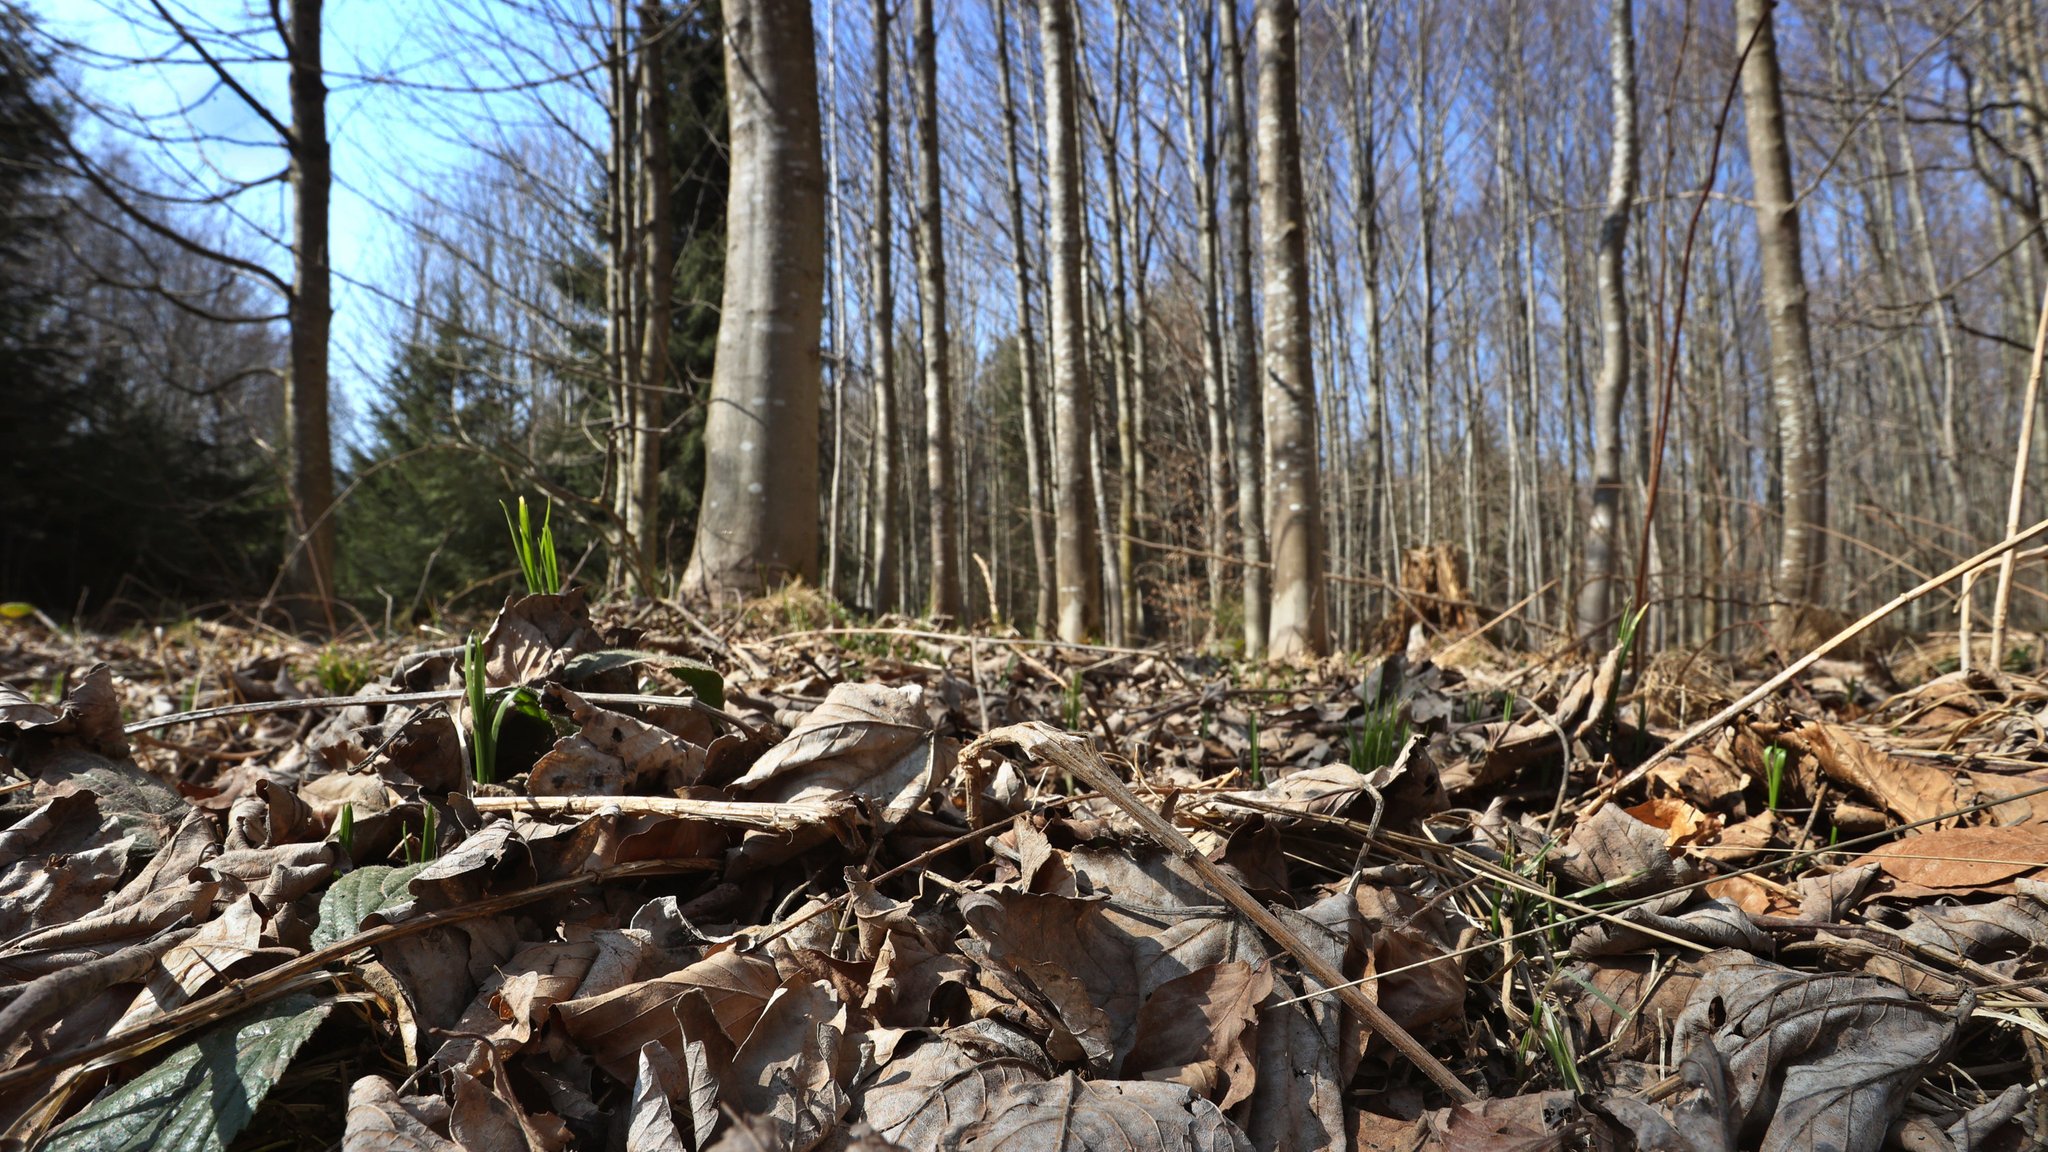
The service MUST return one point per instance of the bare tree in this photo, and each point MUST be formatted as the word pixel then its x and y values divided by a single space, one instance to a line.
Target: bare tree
pixel 1610 271
pixel 945 595
pixel 1251 498
pixel 1027 342
pixel 1294 518
pixel 1803 462
pixel 1077 562
pixel 760 520
pixel 643 486
pixel 882 332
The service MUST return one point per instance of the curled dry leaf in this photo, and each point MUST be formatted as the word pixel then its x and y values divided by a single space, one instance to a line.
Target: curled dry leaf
pixel 1813 1060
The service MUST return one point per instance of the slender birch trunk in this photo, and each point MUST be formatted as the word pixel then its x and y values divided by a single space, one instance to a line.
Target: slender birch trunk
pixel 1611 286
pixel 1803 464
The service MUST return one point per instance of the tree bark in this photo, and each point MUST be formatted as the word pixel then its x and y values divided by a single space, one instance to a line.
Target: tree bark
pixel 1803 462
pixel 310 570
pixel 945 596
pixel 1199 74
pixel 1078 557
pixel 759 526
pixel 1595 602
pixel 1360 69
pixel 882 333
pixel 1245 447
pixel 643 506
pixel 1300 613
pixel 1027 343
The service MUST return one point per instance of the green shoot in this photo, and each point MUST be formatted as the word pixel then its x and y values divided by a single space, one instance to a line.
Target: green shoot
pixel 1631 620
pixel 476 689
pixel 341 674
pixel 1377 739
pixel 430 839
pixel 483 737
pixel 1258 773
pixel 537 562
pixel 1774 775
pixel 1074 701
pixel 1203 730
pixel 345 830
pixel 1507 708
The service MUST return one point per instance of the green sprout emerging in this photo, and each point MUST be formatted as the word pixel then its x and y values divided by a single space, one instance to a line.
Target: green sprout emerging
pixel 1258 773
pixel 1377 738
pixel 483 739
pixel 1074 701
pixel 345 830
pixel 1774 775
pixel 430 839
pixel 536 553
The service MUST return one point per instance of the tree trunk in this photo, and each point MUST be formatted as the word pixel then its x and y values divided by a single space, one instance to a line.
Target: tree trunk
pixel 1020 267
pixel 882 334
pixel 759 526
pixel 1199 73
pixel 1803 463
pixel 1300 619
pixel 1610 271
pixel 643 507
pixel 310 568
pixel 1359 68
pixel 945 597
pixel 1078 559
pixel 1251 498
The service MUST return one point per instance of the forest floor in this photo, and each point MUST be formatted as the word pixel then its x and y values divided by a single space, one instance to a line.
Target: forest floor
pixel 764 881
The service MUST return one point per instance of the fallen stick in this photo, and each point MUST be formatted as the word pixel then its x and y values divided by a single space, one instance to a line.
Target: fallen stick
pixel 1871 618
pixel 741 813
pixel 438 695
pixel 1073 754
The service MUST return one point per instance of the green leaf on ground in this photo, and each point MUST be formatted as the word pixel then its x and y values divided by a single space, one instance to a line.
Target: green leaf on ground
pixel 202 1096
pixel 352 898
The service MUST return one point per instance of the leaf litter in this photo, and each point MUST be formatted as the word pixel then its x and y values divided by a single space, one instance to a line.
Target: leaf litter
pixel 668 885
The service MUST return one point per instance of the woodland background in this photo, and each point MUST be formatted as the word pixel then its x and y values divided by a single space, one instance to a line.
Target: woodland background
pixel 165 292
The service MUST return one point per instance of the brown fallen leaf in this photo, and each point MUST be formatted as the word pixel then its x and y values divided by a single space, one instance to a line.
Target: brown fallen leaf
pixel 1201 1030
pixel 732 985
pixel 1813 1060
pixel 1963 858
pixel 1074 1115
pixel 380 1121
pixel 1909 790
pixel 929 1095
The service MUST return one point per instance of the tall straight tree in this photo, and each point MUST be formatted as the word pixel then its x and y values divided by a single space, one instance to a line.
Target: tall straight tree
pixel 1802 451
pixel 643 487
pixel 882 331
pixel 135 211
pixel 1610 268
pixel 1244 353
pixel 759 524
pixel 1078 559
pixel 1029 380
pixel 1294 517
pixel 945 596
pixel 310 570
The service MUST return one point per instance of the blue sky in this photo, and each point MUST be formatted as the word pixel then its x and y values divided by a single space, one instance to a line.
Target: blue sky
pixel 386 141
